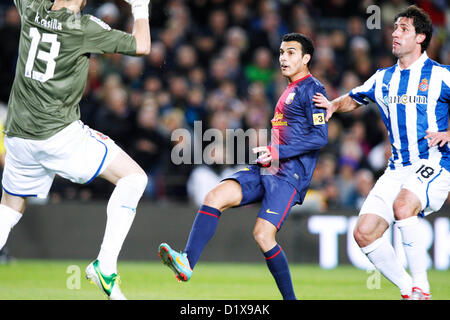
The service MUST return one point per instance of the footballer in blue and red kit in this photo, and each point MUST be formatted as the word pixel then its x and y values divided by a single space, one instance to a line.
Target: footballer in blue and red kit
pixel 280 178
pixel 299 131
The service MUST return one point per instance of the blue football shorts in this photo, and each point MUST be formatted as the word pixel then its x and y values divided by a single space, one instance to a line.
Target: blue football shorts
pixel 277 196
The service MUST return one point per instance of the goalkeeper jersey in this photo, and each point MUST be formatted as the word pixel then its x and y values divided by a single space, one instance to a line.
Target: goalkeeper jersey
pixel 52 66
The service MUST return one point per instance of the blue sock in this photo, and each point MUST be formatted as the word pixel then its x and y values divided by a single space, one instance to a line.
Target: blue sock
pixel 278 266
pixel 202 231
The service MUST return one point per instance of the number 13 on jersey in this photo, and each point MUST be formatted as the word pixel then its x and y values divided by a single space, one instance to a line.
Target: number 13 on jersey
pixel 48 57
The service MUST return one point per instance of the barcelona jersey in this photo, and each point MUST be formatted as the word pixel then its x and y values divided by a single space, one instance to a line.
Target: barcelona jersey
pixel 299 131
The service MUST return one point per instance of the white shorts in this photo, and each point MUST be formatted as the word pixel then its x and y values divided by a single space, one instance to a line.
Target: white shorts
pixel 77 153
pixel 426 179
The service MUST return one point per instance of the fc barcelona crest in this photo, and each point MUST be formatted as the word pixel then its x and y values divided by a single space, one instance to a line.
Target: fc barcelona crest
pixel 290 98
pixel 423 85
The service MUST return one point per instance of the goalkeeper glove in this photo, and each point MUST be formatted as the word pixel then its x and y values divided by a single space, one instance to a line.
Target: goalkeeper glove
pixel 139 8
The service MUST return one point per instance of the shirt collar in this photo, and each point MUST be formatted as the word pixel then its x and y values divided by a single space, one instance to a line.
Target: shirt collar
pixel 416 64
pixel 298 80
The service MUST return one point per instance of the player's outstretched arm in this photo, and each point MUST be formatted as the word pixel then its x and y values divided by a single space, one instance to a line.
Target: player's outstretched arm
pixel 141 28
pixel 141 33
pixel 342 104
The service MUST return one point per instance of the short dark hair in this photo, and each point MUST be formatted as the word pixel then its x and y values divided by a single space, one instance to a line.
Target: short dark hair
pixel 421 21
pixel 305 41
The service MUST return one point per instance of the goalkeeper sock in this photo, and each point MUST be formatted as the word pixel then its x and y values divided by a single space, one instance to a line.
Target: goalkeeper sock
pixel 382 255
pixel 8 219
pixel 415 252
pixel 278 265
pixel 203 229
pixel 120 211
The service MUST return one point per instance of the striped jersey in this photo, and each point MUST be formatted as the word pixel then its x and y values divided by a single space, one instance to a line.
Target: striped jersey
pixel 411 101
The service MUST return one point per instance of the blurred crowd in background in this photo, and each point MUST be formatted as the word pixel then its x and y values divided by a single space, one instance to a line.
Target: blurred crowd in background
pixel 216 61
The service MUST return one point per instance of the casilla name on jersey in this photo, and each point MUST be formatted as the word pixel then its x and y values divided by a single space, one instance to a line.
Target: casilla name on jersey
pixel 51 24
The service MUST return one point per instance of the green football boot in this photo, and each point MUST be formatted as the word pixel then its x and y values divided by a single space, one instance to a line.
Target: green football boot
pixel 108 284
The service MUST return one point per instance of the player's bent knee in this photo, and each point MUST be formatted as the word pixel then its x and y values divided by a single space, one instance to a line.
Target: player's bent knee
pixel 406 205
pixel 213 199
pixel 260 237
pixel 223 196
pixel 135 184
pixel 402 210
pixel 264 235
pixel 363 235
pixel 265 240
pixel 138 180
pixel 369 228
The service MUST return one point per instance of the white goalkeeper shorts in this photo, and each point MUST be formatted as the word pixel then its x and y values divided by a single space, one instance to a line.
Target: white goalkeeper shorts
pixel 77 153
pixel 426 179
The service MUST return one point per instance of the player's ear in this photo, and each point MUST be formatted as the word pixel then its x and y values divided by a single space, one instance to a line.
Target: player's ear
pixel 306 57
pixel 420 37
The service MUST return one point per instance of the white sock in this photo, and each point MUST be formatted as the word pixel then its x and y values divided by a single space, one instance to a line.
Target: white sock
pixel 120 215
pixel 382 255
pixel 415 252
pixel 8 219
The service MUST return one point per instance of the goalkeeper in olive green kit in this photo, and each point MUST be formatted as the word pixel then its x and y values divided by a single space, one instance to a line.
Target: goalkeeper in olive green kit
pixel 44 134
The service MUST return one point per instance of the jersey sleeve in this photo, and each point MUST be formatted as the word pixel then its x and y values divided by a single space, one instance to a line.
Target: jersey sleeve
pixel 20 5
pixel 100 38
pixel 365 92
pixel 315 126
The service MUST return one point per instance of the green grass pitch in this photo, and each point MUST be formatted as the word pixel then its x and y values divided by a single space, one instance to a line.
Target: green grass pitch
pixel 64 280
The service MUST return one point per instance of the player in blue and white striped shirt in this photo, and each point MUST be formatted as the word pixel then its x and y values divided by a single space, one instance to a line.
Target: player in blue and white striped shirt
pixel 413 97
